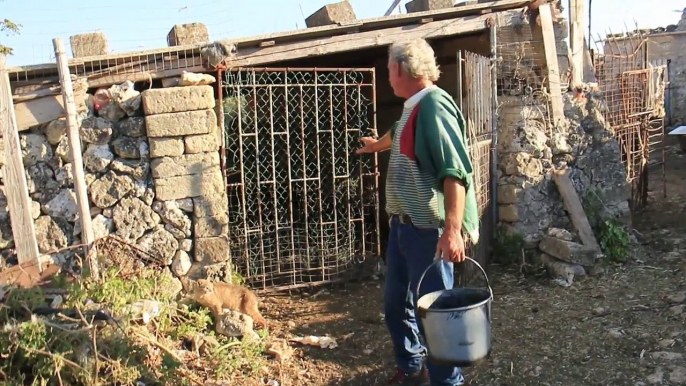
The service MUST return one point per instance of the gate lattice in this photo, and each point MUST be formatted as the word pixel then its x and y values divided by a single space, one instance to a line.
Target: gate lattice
pixel 303 207
pixel 475 98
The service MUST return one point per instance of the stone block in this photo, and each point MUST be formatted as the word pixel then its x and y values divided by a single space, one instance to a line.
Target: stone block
pixel 177 99
pixel 186 34
pixel 427 5
pixel 209 250
pixel 569 251
pixel 184 165
pixel 507 194
pixel 179 124
pixel 203 143
pixel 211 226
pixel 90 44
pixel 508 213
pixel 210 205
pixel 188 186
pixel 332 14
pixel 166 147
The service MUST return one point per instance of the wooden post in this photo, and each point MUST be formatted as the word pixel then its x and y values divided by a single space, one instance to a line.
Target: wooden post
pixel 576 40
pixel 16 188
pixel 75 151
pixel 550 47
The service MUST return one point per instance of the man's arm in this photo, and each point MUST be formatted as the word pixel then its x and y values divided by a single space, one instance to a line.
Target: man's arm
pixel 454 194
pixel 372 145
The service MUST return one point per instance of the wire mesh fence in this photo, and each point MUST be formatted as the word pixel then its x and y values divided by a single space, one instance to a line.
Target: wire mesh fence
pixel 303 207
pixel 634 92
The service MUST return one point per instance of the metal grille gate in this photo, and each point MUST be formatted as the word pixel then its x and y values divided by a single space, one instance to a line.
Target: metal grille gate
pixel 475 99
pixel 303 207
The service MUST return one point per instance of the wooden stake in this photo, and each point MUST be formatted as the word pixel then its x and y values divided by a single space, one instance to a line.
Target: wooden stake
pixel 576 39
pixel 75 152
pixel 548 34
pixel 575 209
pixel 16 188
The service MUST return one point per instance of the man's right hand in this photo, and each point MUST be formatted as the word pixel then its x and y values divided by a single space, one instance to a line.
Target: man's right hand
pixel 368 145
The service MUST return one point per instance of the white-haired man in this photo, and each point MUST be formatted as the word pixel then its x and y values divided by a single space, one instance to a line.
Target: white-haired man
pixel 430 201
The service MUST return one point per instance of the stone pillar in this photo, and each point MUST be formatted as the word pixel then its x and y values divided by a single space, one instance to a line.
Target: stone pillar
pixel 184 142
pixel 187 34
pixel 427 5
pixel 332 14
pixel 90 44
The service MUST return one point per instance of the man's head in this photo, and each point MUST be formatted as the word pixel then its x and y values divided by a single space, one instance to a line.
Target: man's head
pixel 411 67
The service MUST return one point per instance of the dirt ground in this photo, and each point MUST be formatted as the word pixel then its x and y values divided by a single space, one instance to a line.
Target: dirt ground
pixel 626 326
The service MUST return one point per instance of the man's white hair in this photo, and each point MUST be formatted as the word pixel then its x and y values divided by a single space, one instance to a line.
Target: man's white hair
pixel 416 57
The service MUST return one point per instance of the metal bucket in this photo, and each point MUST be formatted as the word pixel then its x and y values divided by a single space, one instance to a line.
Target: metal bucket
pixel 457 323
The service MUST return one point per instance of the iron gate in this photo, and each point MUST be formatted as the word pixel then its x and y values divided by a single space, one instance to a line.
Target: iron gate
pixel 303 207
pixel 476 100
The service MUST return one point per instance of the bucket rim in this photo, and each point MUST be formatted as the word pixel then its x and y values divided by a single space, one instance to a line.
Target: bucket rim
pixel 456 309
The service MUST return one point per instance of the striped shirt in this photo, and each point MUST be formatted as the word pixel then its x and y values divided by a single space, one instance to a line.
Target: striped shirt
pixel 415 176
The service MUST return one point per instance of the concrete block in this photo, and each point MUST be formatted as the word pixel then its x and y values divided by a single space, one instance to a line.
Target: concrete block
pixel 508 213
pixel 90 44
pixel 166 147
pixel 211 226
pixel 179 124
pixel 568 251
pixel 427 5
pixel 177 99
pixel 184 165
pixel 186 34
pixel 188 186
pixel 210 205
pixel 332 14
pixel 507 194
pixel 210 250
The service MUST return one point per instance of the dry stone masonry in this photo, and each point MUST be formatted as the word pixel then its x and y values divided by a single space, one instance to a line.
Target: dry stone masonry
pixel 89 44
pixel 332 14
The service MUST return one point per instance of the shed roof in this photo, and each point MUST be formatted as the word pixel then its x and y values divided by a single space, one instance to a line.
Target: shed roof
pixel 271 48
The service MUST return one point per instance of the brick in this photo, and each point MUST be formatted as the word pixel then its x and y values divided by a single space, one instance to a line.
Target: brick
pixel 166 147
pixel 90 44
pixel 187 34
pixel 184 165
pixel 177 99
pixel 210 205
pixel 211 226
pixel 568 251
pixel 332 14
pixel 209 250
pixel 427 5
pixel 179 124
pixel 203 143
pixel 188 186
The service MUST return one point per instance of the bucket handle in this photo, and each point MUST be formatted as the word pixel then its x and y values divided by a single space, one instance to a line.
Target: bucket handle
pixel 438 258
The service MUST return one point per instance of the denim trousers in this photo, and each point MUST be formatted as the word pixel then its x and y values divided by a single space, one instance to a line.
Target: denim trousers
pixel 410 251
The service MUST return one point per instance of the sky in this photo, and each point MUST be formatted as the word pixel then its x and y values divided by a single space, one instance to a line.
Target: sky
pixel 133 25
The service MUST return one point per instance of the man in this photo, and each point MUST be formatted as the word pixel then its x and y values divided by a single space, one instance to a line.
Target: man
pixel 430 201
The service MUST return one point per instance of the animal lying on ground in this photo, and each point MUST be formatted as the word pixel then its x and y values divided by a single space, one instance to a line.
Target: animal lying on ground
pixel 218 296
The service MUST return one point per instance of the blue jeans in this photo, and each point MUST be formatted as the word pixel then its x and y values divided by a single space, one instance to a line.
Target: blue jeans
pixel 410 251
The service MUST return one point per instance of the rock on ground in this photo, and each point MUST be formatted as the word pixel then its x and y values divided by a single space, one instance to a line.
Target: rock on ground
pixel 235 324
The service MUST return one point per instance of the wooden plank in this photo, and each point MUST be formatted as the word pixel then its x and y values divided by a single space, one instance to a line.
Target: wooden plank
pixel 547 31
pixel 574 208
pixel 363 40
pixel 42 110
pixel 28 274
pixel 576 40
pixel 14 176
pixel 75 152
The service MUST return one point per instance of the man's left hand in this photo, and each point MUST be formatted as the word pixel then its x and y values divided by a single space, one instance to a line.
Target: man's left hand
pixel 451 246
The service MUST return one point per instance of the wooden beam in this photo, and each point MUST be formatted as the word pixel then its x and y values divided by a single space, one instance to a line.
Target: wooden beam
pixel 29 274
pixel 360 41
pixel 16 188
pixel 80 186
pixel 548 33
pixel 41 110
pixel 576 40
pixel 574 208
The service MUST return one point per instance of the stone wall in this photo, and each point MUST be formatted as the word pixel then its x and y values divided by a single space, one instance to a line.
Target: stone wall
pixel 529 149
pixel 152 168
